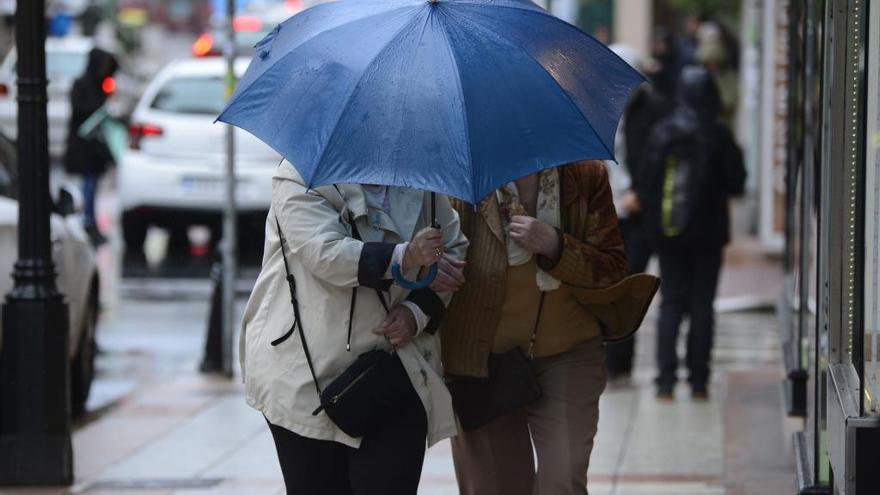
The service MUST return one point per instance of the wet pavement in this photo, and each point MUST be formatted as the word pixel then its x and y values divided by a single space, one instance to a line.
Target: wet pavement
pixel 176 431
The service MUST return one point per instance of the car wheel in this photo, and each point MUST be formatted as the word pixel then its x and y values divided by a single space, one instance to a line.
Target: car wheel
pixel 251 237
pixel 134 232
pixel 82 369
pixel 178 241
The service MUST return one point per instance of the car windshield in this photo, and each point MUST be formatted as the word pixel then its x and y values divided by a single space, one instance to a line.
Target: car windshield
pixel 198 95
pixel 66 65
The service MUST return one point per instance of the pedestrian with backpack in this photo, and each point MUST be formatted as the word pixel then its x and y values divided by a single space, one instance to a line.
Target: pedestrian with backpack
pixel 89 155
pixel 692 167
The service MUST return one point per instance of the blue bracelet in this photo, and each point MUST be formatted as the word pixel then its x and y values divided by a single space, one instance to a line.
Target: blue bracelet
pixel 418 284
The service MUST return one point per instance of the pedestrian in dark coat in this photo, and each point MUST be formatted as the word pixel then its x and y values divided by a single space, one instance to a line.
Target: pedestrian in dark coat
pixel 89 156
pixel 666 64
pixel 645 108
pixel 692 166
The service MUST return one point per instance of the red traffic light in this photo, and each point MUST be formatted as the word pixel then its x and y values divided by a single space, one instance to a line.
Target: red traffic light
pixel 108 85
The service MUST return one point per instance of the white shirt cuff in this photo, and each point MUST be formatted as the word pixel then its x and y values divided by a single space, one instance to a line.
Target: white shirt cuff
pixel 396 257
pixel 421 318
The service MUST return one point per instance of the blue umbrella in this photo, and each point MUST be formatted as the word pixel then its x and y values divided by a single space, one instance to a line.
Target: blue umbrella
pixel 450 96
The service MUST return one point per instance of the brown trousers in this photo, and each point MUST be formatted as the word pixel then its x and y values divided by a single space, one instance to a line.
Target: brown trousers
pixel 497 458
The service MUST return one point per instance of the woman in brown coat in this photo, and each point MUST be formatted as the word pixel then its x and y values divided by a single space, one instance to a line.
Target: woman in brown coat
pixel 532 241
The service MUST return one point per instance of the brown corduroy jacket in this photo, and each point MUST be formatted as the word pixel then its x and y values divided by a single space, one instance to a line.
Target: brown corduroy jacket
pixel 591 257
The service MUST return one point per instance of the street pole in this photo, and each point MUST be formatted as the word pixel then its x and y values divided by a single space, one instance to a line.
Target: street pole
pixel 35 447
pixel 230 235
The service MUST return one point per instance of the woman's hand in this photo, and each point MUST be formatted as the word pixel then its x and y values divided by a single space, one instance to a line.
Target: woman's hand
pixel 424 249
pixel 534 235
pixel 630 203
pixel 398 327
pixel 450 274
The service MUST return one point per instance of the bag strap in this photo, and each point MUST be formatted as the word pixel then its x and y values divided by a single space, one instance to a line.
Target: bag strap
pixel 357 236
pixel 292 284
pixel 534 336
pixel 297 320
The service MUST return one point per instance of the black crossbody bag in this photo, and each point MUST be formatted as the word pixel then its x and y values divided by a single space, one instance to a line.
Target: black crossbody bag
pixel 511 385
pixel 372 390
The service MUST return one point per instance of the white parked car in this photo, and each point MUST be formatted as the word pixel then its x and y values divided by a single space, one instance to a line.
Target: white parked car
pixel 173 173
pixel 77 277
pixel 66 60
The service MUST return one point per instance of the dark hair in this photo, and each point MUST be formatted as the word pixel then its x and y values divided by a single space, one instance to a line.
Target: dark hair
pixel 698 92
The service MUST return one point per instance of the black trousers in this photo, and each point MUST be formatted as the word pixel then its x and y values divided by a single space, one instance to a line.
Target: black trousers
pixel 637 244
pixel 689 281
pixel 388 462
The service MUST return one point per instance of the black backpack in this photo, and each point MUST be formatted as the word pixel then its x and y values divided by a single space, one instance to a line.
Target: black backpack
pixel 683 188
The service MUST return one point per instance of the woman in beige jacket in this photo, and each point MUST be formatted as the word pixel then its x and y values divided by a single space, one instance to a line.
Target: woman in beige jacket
pixel 327 262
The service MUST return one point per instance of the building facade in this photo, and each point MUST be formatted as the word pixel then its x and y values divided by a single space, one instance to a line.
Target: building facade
pixel 830 308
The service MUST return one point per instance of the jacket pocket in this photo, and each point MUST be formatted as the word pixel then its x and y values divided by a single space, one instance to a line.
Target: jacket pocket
pixel 285 336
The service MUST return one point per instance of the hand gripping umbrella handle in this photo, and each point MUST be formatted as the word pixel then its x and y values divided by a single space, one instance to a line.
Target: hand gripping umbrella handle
pixel 432 271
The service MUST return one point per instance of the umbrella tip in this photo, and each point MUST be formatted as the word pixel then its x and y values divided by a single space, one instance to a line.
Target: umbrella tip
pixel 433 2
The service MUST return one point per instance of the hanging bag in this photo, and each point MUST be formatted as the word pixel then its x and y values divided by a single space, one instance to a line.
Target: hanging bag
pixel 511 384
pixel 372 390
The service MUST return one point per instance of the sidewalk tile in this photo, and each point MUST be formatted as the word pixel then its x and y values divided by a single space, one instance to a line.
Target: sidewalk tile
pixel 238 488
pixel 670 489
pixel 682 437
pixel 255 460
pixel 616 410
pixel 109 440
pixel 194 446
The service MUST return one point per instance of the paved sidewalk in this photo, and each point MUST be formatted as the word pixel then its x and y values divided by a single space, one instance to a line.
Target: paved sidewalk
pixel 193 435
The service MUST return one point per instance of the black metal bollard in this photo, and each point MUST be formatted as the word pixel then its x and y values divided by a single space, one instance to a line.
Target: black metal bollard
pixel 212 359
pixel 35 443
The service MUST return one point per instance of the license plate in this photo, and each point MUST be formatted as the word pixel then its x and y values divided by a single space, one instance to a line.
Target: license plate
pixel 201 184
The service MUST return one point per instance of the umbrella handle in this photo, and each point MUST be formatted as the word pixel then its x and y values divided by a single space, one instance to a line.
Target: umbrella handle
pixel 432 271
pixel 413 285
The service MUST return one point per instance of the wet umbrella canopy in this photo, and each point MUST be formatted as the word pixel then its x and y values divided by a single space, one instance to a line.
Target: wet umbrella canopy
pixel 452 96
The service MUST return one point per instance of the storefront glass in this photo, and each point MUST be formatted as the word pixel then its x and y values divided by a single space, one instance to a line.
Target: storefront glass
pixel 833 239
pixel 871 370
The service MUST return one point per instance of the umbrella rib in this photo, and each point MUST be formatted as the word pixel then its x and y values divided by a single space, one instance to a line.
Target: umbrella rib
pixel 543 12
pixel 601 45
pixel 470 156
pixel 537 8
pixel 237 96
pixel 502 39
pixel 350 98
